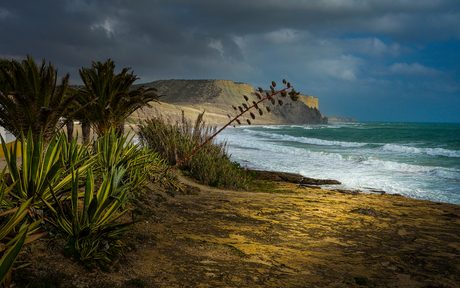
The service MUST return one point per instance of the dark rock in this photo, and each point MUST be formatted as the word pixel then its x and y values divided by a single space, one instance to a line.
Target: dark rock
pixel 354 192
pixel 308 186
pixel 298 113
pixel 292 178
pixel 311 181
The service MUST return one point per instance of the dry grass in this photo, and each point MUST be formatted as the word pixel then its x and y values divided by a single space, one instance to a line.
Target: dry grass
pixel 211 165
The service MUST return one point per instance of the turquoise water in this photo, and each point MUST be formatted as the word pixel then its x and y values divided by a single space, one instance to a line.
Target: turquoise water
pixel 418 160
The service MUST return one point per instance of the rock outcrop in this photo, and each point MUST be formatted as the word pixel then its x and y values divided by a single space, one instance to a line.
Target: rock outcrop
pixel 216 97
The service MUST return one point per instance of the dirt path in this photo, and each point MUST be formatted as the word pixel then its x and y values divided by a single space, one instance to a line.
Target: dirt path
pixel 304 238
pixel 295 237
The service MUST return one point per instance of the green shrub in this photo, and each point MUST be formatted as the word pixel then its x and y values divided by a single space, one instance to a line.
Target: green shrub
pixel 211 165
pixel 42 168
pixel 91 224
pixel 112 152
pixel 14 239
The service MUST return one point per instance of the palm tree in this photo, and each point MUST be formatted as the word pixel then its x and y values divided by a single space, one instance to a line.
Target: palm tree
pixel 113 101
pixel 31 98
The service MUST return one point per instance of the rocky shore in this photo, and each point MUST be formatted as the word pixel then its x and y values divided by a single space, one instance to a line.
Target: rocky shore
pixel 280 234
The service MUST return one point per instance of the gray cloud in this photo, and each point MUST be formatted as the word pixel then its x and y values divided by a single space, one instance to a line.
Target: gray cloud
pixel 368 48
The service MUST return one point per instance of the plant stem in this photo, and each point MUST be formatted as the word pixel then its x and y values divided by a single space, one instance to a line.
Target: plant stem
pixel 225 126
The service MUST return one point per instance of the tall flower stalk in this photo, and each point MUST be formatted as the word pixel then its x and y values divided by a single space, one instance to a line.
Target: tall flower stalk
pixel 245 108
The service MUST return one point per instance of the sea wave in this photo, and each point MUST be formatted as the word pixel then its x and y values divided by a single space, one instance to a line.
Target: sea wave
pixel 286 150
pixel 273 127
pixel 439 172
pixel 305 140
pixel 447 173
pixel 415 150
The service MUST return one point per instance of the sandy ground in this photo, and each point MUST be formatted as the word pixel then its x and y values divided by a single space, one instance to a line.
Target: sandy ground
pixel 290 237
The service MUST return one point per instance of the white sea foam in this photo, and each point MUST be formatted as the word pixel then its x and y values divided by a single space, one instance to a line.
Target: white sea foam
pixel 388 167
pixel 273 127
pixel 447 173
pixel 305 140
pixel 415 150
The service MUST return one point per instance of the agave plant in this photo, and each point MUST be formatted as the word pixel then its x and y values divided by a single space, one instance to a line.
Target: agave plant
pixel 27 232
pixel 74 154
pixel 41 169
pixel 91 224
pixel 112 152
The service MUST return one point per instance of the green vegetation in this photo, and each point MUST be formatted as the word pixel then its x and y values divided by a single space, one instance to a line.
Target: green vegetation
pixel 112 99
pixel 83 190
pixel 41 170
pixel 112 152
pixel 91 226
pixel 31 99
pixel 211 165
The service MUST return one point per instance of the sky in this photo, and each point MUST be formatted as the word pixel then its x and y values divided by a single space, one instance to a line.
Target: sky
pixel 374 60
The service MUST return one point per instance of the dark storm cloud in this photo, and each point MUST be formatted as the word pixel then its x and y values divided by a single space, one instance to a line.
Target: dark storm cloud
pixel 358 50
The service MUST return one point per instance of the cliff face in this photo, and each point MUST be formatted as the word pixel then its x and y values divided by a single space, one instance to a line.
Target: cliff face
pixel 310 101
pixel 218 96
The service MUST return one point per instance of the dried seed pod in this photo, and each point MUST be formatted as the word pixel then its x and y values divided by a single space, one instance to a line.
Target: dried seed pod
pixel 252 115
pixel 244 105
pixel 273 84
pixel 238 121
pixel 268 109
pixel 284 81
pixel 283 93
pixel 261 90
pixel 258 96
pixel 249 122
pixel 241 109
pixel 255 104
pixel 272 89
pixel 229 116
pixel 280 102
pixel 245 97
pixel 260 112
pixel 288 85
pixel 268 94
pixel 234 108
pixel 272 100
pixel 294 95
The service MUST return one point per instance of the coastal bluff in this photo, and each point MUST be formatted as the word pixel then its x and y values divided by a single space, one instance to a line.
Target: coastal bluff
pixel 216 97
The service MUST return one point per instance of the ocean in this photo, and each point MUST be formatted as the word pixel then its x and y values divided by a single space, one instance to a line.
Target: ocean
pixel 417 160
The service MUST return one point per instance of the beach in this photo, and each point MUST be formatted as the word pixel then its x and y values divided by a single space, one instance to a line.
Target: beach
pixel 286 236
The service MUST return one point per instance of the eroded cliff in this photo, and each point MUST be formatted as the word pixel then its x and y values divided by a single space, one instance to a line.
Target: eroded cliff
pixel 216 97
